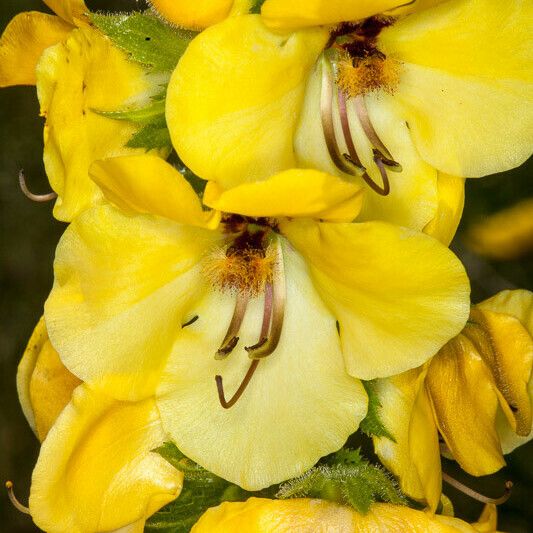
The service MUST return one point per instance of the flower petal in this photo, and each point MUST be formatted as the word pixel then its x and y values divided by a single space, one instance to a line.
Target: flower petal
pixel 300 13
pixel 148 184
pixel 413 199
pixel 463 395
pixel 398 295
pixel 292 193
pixel 76 78
pixel 24 40
pixel 300 404
pixel 72 11
pixel 450 209
pixel 414 455
pixel 233 101
pixel 96 470
pixel 122 286
pixel 466 89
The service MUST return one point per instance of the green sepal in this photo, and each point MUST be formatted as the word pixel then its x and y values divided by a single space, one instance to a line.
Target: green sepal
pixel 256 6
pixel 372 424
pixel 348 479
pixel 146 38
pixel 144 115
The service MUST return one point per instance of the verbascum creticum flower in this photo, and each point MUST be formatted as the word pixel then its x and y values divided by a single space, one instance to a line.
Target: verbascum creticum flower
pixel 200 14
pixel 391 100
pixel 161 294
pixel 258 515
pixel 477 392
pixel 29 34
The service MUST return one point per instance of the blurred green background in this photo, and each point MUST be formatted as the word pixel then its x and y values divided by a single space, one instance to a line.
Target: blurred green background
pixel 28 236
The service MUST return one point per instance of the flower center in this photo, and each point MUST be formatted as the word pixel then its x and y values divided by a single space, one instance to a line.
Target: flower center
pixel 352 67
pixel 252 265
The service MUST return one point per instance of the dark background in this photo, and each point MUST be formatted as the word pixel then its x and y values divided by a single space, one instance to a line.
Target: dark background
pixel 28 236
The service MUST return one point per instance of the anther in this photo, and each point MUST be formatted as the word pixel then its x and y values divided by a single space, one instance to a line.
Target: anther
pixel 34 197
pixel 235 398
pixel 190 322
pixel 13 498
pixel 231 339
pixel 476 495
pixel 368 127
pixel 274 311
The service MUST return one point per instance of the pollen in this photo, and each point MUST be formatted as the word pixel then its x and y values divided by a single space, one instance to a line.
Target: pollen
pixel 361 76
pixel 242 271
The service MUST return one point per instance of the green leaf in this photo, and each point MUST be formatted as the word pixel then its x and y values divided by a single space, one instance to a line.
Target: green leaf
pixel 201 490
pixel 372 424
pixel 146 38
pixel 144 115
pixel 151 137
pixel 347 478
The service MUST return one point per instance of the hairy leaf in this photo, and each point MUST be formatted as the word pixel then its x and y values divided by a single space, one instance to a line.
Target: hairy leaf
pixel 372 424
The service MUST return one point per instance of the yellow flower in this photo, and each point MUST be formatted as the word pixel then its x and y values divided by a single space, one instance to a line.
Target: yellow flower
pixel 505 235
pixel 29 34
pixel 477 391
pixel 131 282
pixel 259 515
pixel 394 94
pixel 44 385
pixel 201 13
pixel 96 470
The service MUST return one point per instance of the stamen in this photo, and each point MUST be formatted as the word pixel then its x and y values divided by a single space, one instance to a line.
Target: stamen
pixel 368 128
pixel 231 339
pixel 402 5
pixel 235 398
pixel 354 158
pixel 476 495
pixel 384 176
pixel 14 501
pixel 32 196
pixel 277 304
pixel 267 315
pixel 326 116
pixel 191 321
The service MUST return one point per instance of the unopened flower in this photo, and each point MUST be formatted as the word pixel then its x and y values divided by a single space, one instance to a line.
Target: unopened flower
pixel 273 293
pixel 386 99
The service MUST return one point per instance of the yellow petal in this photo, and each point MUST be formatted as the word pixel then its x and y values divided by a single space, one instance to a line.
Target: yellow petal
pixel 242 130
pixel 413 457
pixel 299 405
pixel 72 11
pixel 506 235
pixel 300 13
pixel 413 199
pixel 398 295
pixel 148 184
pixel 464 401
pixel 45 386
pixel 122 286
pixel 258 515
pixel 488 521
pixel 96 470
pixel 517 303
pixel 450 209
pixel 199 14
pixel 23 42
pixel 75 78
pixel 466 89
pixel 507 349
pixel 292 193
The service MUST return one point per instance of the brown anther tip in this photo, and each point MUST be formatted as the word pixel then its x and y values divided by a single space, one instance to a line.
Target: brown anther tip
pixel 251 349
pixel 225 350
pixel 9 485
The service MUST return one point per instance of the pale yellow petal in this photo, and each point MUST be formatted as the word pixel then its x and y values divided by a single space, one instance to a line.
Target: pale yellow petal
pixel 24 40
pixel 148 184
pixel 299 405
pixel 413 457
pixel 466 89
pixel 299 13
pixel 444 225
pixel 96 470
pixel 488 520
pixel 505 235
pixel 76 78
pixel 292 193
pixel 465 403
pixel 122 286
pixel 413 199
pixel 72 11
pixel 398 295
pixel 45 386
pixel 234 99
pixel 200 13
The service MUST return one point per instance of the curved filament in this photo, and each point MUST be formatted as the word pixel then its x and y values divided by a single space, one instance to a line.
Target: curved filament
pixel 34 197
